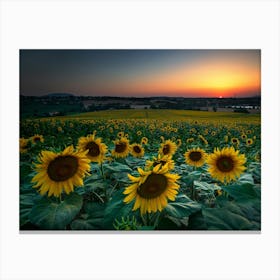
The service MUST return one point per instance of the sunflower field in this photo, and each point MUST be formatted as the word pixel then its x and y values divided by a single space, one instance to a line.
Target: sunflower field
pixel 141 170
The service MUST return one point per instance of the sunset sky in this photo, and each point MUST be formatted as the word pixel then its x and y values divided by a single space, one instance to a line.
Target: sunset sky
pixel 141 73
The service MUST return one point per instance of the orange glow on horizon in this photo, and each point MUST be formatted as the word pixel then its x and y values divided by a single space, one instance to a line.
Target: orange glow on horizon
pixel 214 76
pixel 210 80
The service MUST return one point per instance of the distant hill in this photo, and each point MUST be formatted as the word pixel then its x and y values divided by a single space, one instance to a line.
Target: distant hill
pixel 58 94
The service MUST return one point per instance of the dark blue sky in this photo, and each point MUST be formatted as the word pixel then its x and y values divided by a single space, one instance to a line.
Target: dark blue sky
pixel 138 72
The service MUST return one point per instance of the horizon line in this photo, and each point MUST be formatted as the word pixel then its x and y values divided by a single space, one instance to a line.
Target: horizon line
pixel 142 97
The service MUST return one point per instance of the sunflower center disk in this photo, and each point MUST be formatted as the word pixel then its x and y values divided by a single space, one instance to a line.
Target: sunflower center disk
pixel 120 147
pixel 166 149
pixel 225 164
pixel 162 162
pixel 93 148
pixel 137 149
pixel 36 139
pixel 153 187
pixel 195 156
pixel 62 168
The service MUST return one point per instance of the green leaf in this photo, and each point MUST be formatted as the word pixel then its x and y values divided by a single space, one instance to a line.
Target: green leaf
pixel 135 162
pixel 95 209
pixel 189 178
pixel 24 216
pixel 255 169
pixel 182 207
pixel 224 219
pixel 241 192
pixel 27 201
pixel 121 177
pixel 116 209
pixel 87 224
pixel 97 184
pixel 197 221
pixel 203 186
pixel 245 179
pixel 92 178
pixel 52 215
pixel 116 167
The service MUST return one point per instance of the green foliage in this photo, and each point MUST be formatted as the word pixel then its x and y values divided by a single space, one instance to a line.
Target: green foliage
pixel 116 209
pixel 126 224
pixel 202 202
pixel 182 207
pixel 92 219
pixel 223 219
pixel 55 215
pixel 242 190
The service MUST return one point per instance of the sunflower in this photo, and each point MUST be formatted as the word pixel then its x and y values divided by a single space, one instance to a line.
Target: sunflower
pixel 192 130
pixel 249 141
pixel 258 157
pixel 96 150
pixel 226 165
pixel 249 131
pixel 139 133
pixel 58 172
pixel 37 138
pixel 218 192
pixel 203 140
pixel 168 148
pixel 235 141
pixel 152 189
pixel 243 136
pixel 144 140
pixel 120 134
pixel 137 150
pixel 195 157
pixel 162 160
pixel 179 142
pixel 121 149
pixel 23 145
pixel 190 140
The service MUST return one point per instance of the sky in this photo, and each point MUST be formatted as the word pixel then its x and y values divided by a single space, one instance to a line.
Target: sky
pixel 141 73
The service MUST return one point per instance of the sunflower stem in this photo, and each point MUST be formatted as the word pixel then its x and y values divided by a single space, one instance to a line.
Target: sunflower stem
pixel 148 219
pixel 143 220
pixel 192 186
pixel 158 214
pixel 102 171
pixel 225 194
pixel 101 199
pixel 113 189
pixel 103 177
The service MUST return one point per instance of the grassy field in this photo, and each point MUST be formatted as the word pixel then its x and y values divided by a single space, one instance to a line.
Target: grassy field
pixel 161 114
